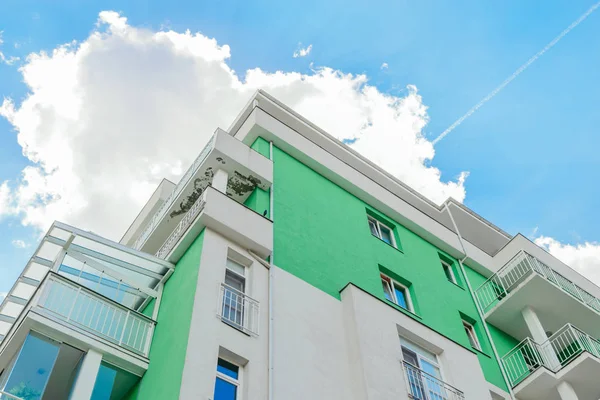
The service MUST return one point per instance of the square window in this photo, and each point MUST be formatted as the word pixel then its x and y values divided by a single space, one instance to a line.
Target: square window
pixel 396 293
pixel 382 231
pixel 449 271
pixel 472 335
pixel 227 382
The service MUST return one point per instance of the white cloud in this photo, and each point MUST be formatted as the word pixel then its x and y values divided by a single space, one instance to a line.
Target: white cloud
pixel 19 244
pixel 584 258
pixel 3 295
pixel 106 119
pixel 4 59
pixel 384 66
pixel 303 52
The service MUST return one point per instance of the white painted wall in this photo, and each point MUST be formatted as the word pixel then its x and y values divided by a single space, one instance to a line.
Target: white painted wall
pixel 208 333
pixel 376 327
pixel 310 352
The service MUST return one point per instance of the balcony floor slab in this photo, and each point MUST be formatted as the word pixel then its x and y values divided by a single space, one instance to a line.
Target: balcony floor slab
pixel 554 307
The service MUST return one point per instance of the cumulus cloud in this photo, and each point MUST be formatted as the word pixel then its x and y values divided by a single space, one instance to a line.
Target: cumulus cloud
pixel 303 52
pixel 19 244
pixel 384 66
pixel 585 258
pixel 107 118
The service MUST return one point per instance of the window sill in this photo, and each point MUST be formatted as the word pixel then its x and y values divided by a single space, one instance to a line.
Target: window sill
pixel 387 244
pixel 234 326
pixel 457 285
pixel 403 310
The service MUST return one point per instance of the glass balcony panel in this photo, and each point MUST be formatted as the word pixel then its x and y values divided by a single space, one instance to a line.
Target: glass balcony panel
pixel 36 271
pixel 23 291
pixel 11 309
pixel 48 251
pixel 32 367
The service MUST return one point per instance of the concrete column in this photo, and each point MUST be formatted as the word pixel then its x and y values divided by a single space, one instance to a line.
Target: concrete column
pixel 538 334
pixel 86 378
pixel 536 330
pixel 566 391
pixel 219 181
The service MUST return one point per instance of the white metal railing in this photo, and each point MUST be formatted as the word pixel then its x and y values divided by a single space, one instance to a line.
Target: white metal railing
pixel 519 268
pixel 94 313
pixel 183 182
pixel 181 228
pixel 554 354
pixel 423 386
pixel 237 309
pixel 8 396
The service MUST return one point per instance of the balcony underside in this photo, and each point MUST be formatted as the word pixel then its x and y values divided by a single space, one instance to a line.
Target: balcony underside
pixel 231 219
pixel 246 170
pixel 39 320
pixel 582 373
pixel 553 306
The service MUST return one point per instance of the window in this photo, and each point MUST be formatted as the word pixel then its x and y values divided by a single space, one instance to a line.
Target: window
pixel 233 294
pixel 423 373
pixel 449 271
pixel 396 293
pixel 228 381
pixel 472 335
pixel 382 231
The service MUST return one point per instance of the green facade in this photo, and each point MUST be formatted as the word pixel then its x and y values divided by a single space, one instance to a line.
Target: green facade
pixel 169 343
pixel 321 236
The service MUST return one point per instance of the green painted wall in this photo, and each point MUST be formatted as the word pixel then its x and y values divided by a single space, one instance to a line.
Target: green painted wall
pixel 321 235
pixel 169 344
pixel 261 146
pixel 259 201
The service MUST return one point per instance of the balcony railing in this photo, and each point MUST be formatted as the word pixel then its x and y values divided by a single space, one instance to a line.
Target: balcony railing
pixel 554 354
pixel 520 268
pixel 238 310
pixel 424 386
pixel 183 182
pixel 96 314
pixel 181 229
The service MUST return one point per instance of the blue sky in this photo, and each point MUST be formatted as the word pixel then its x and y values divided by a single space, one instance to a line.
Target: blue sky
pixel 531 151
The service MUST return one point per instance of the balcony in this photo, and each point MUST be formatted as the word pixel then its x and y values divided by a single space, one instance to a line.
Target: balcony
pixel 246 170
pixel 570 354
pixel 83 308
pixel 88 293
pixel 224 215
pixel 423 386
pixel 238 310
pixel 526 281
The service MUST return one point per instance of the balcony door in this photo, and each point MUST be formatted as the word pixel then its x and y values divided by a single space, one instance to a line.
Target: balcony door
pixel 423 373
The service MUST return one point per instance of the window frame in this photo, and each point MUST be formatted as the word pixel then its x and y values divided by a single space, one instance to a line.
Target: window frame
pixel 236 382
pixel 471 334
pixel 447 266
pixel 405 289
pixel 378 225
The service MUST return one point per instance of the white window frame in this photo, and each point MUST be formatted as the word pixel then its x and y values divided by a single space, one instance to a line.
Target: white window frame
pixel 449 266
pixel 471 334
pixel 404 288
pixel 378 226
pixel 236 382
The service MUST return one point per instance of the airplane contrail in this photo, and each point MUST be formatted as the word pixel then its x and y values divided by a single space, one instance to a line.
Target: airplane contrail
pixel 516 73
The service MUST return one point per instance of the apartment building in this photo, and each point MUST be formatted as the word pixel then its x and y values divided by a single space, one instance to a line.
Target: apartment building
pixel 285 266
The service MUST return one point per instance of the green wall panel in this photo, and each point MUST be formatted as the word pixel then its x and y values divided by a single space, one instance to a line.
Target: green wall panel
pixel 321 235
pixel 259 201
pixel 169 343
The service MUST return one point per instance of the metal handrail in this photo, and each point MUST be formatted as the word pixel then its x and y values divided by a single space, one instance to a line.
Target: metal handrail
pixel 424 386
pixel 183 182
pixel 90 311
pixel 519 268
pixel 238 309
pixel 554 354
